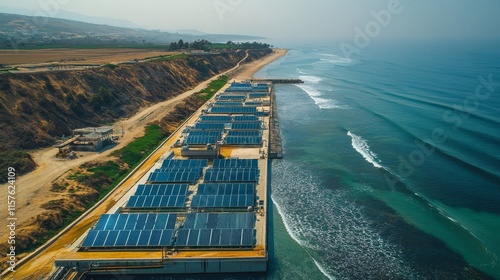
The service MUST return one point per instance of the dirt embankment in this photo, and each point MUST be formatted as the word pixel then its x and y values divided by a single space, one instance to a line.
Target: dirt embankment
pixel 38 107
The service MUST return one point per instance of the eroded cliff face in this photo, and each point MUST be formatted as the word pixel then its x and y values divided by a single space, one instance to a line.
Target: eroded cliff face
pixel 37 107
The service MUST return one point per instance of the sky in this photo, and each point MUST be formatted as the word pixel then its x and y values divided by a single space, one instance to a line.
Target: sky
pixel 291 19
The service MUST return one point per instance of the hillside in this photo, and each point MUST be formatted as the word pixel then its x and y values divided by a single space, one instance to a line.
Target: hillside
pixel 18 31
pixel 38 107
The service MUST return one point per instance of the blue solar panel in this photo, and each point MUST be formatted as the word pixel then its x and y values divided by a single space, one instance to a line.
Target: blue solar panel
pixel 202 140
pixel 233 110
pixel 200 132
pixel 232 97
pixel 177 177
pixel 222 201
pixel 111 238
pixel 219 220
pixel 257 95
pixel 246 118
pixel 210 126
pixel 182 237
pixel 218 119
pixel 133 238
pixel 243 140
pixel 89 239
pixel 193 237
pixel 166 237
pixel 227 104
pixel 232 175
pixel 171 163
pixel 247 126
pixel 225 163
pixel 215 238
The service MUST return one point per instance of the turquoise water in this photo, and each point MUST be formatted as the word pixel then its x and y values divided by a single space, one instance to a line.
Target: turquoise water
pixel 392 159
pixel 392 163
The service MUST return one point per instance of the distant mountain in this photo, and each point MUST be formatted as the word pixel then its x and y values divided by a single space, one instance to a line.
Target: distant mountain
pixel 18 31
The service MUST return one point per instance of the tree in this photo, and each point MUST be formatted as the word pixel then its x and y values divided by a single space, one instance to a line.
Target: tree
pixel 180 44
pixel 173 46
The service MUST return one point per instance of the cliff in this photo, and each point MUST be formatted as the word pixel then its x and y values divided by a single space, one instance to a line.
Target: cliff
pixel 35 108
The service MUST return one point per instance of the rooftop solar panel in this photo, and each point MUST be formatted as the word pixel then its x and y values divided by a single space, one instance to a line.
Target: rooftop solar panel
pixel 236 162
pixel 243 140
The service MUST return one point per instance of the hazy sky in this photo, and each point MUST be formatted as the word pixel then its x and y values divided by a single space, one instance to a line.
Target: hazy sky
pixel 292 19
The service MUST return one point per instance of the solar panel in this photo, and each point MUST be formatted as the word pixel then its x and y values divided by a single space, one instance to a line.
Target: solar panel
pixel 217 119
pixel 243 133
pixel 219 220
pixel 245 118
pixel 186 176
pixel 257 95
pixel 243 140
pixel 202 140
pixel 235 162
pixel 247 126
pixel 143 230
pixel 215 238
pixel 232 97
pixel 231 175
pixel 211 126
pixel 233 110
pixel 187 163
pixel 201 132
pixel 227 104
pixel 222 201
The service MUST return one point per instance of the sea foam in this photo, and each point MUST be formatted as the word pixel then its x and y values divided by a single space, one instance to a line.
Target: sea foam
pixel 362 147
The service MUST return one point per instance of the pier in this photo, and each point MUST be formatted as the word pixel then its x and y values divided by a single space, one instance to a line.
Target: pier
pixel 275 145
pixel 278 81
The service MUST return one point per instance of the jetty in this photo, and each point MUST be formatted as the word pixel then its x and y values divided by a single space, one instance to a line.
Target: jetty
pixel 278 81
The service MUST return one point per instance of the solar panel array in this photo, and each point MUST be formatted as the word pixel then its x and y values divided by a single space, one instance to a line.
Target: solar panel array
pixel 233 110
pixel 178 171
pixel 245 118
pixel 182 176
pixel 156 201
pixel 243 140
pixel 235 162
pixel 240 133
pixel 132 230
pixel 227 104
pixel 158 196
pixel 232 97
pixel 202 140
pixel 217 119
pixel 217 230
pixel 257 95
pixel 219 220
pixel 215 238
pixel 235 195
pixel 247 126
pixel 233 170
pixel 210 126
pixel 181 163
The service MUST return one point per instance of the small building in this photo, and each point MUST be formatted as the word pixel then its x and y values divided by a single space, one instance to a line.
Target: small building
pixel 91 139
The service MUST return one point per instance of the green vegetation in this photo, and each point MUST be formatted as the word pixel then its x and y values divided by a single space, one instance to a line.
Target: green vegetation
pixel 207 45
pixel 103 97
pixel 8 69
pixel 110 66
pixel 141 147
pixel 212 88
pixel 168 57
pixel 86 46
pixel 18 159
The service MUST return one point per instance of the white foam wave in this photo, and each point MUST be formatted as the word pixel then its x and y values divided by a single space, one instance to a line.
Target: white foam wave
pixel 322 269
pixel 301 72
pixel 335 59
pixel 362 147
pixel 344 241
pixel 323 103
pixel 310 79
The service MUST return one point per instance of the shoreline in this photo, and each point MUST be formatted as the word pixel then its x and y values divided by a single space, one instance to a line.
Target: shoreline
pixel 251 68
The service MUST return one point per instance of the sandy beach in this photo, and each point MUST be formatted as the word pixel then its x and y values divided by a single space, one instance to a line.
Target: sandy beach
pixel 34 188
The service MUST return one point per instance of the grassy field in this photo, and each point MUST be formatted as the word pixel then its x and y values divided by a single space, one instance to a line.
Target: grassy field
pixel 212 88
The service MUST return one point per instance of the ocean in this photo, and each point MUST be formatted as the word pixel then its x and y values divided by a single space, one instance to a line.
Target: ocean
pixel 391 164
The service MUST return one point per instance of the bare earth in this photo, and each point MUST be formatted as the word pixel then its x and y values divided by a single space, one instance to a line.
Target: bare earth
pixel 74 56
pixel 33 189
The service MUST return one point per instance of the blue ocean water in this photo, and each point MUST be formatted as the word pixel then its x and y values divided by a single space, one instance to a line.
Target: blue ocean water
pixel 392 160
pixel 391 167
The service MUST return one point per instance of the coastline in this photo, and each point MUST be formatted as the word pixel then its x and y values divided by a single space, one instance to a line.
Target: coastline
pixel 58 246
